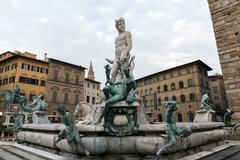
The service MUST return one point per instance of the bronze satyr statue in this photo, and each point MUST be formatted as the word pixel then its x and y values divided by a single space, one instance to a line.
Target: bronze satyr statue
pixel 227 118
pixel 16 126
pixel 71 132
pixel 172 131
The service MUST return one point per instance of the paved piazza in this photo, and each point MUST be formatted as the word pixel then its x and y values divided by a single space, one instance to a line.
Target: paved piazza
pixel 14 151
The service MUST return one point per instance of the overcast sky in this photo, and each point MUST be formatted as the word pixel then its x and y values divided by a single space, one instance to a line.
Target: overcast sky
pixel 165 33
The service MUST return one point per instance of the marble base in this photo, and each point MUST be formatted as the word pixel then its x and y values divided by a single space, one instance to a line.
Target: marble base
pixel 153 129
pixel 40 117
pixel 9 118
pixel 108 145
pixel 203 116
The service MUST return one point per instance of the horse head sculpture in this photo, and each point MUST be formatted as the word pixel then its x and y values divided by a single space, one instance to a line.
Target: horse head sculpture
pixel 37 105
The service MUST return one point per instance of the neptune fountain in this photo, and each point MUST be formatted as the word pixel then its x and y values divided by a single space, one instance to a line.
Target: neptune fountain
pixel 118 127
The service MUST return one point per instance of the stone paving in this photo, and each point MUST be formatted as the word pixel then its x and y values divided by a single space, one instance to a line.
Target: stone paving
pixel 229 151
pixel 14 151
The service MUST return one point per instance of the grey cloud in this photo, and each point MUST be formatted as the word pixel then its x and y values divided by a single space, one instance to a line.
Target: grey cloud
pixel 165 33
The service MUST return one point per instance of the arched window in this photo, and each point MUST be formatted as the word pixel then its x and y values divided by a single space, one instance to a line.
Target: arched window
pixel 66 90
pixel 54 96
pixel 166 99
pixel 165 87
pixel 192 97
pixel 55 75
pixel 65 98
pixel 173 86
pixel 150 91
pixel 151 102
pixel 146 92
pixel 182 98
pixel 159 101
pixel 191 116
pixel 146 103
pixel 181 85
pixel 190 83
pixel 66 77
pixel 76 98
pixel 158 89
pixel 159 118
pixel 174 98
pixel 77 80
pixel 179 116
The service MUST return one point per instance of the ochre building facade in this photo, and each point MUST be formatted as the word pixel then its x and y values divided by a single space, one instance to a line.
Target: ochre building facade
pixel 24 70
pixel 184 84
pixel 59 82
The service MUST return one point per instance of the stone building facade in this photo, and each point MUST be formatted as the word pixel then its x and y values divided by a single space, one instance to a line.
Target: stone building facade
pixel 24 70
pixel 59 82
pixel 92 91
pixel 65 85
pixel 217 92
pixel 184 84
pixel 92 87
pixel 226 23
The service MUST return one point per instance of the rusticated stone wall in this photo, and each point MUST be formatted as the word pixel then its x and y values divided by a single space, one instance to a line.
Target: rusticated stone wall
pixel 226 23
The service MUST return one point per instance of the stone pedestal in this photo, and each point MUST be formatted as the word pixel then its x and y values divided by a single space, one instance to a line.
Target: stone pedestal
pixel 121 119
pixel 9 118
pixel 204 115
pixel 40 117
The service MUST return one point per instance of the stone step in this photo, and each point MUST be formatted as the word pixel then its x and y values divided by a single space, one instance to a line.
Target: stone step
pixel 228 151
pixel 224 155
pixel 4 155
pixel 15 151
pixel 22 153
